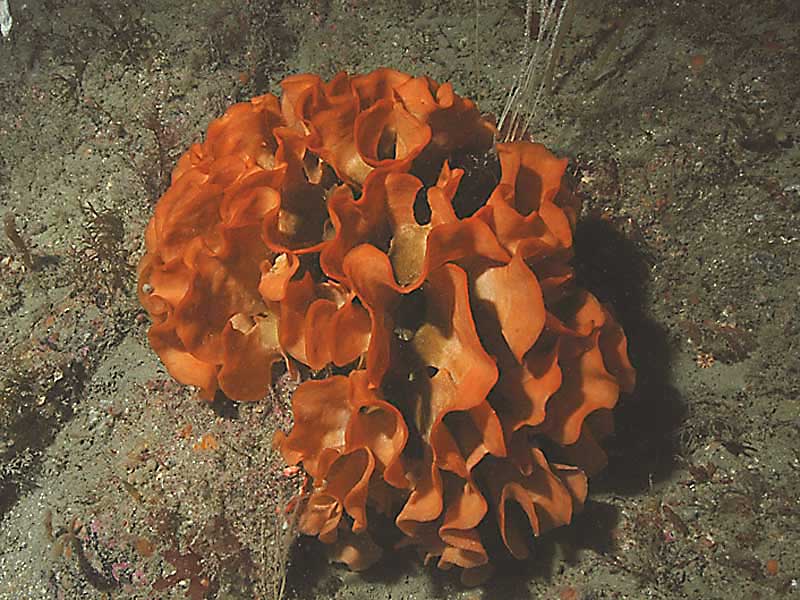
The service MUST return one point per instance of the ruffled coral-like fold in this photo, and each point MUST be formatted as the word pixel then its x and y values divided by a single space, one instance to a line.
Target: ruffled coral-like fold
pixel 430 411
pixel 321 412
pixel 363 441
pixel 426 501
pixel 276 274
pixel 167 284
pixel 379 426
pixel 355 222
pixel 555 278
pixel 440 197
pixel 346 487
pixel 195 159
pixel 407 249
pixel 614 348
pixel 357 551
pixel 459 436
pixel 219 289
pixel 524 388
pixel 332 136
pixel 587 453
pixel 587 384
pixel 447 339
pixel 298 296
pixel 245 129
pixel 360 419
pixel 321 324
pixel 320 230
pixel 501 290
pixel 466 508
pixel 387 136
pixel 452 534
pixel 297 223
pixel 478 432
pixel 586 387
pixel 370 274
pixel 454 242
pixel 320 516
pixel 455 121
pixel 535 176
pixel 350 333
pixel 300 97
pixel 189 209
pixel 320 335
pixel 377 85
pixel 180 363
pixel 250 348
pixel 251 198
pixel 522 209
pixel 349 478
pixel 543 497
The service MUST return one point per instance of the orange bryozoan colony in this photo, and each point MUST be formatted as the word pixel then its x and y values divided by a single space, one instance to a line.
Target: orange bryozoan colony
pixel 367 233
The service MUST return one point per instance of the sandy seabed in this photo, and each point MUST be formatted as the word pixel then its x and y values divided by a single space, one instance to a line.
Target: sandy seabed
pixel 682 126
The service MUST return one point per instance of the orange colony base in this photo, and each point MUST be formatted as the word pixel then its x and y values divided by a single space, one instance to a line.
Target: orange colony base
pixel 368 234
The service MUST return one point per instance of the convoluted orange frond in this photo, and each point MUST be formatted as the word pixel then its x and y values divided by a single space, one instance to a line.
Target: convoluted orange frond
pixel 439 328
